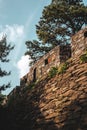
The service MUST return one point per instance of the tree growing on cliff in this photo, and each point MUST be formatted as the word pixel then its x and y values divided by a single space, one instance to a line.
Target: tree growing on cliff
pixel 4 52
pixel 60 20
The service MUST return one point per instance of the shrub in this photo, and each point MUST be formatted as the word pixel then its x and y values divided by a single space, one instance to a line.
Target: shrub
pixel 53 72
pixel 62 68
pixel 30 86
pixel 83 58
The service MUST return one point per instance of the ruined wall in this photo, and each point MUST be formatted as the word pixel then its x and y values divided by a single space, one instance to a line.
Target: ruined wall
pixel 59 103
pixel 56 56
pixel 79 42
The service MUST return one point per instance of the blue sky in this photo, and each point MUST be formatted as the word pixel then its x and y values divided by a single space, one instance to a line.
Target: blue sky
pixel 18 19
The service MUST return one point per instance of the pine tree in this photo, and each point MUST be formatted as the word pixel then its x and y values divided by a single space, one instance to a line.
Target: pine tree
pixel 4 52
pixel 60 20
pixel 36 50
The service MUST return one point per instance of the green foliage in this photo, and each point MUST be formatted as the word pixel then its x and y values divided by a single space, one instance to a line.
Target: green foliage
pixel 60 20
pixel 53 72
pixel 83 58
pixel 75 2
pixel 4 52
pixel 29 86
pixel 62 68
pixel 36 50
pixel 58 70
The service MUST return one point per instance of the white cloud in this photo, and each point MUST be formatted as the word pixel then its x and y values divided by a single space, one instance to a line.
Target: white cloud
pixel 23 65
pixel 13 32
pixel 16 35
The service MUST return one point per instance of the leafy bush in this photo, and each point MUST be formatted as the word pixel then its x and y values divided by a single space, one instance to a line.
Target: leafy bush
pixel 32 85
pixel 29 86
pixel 83 58
pixel 53 72
pixel 62 68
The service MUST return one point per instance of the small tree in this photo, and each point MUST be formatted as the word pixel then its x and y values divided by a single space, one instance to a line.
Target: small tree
pixel 4 52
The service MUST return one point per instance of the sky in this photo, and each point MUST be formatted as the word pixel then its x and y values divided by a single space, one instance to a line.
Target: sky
pixel 17 20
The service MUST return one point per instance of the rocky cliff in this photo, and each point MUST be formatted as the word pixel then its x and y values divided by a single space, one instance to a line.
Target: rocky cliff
pixel 58 103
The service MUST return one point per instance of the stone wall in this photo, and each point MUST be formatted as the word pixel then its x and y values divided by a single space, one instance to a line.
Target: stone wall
pixel 56 56
pixel 79 43
pixel 59 103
